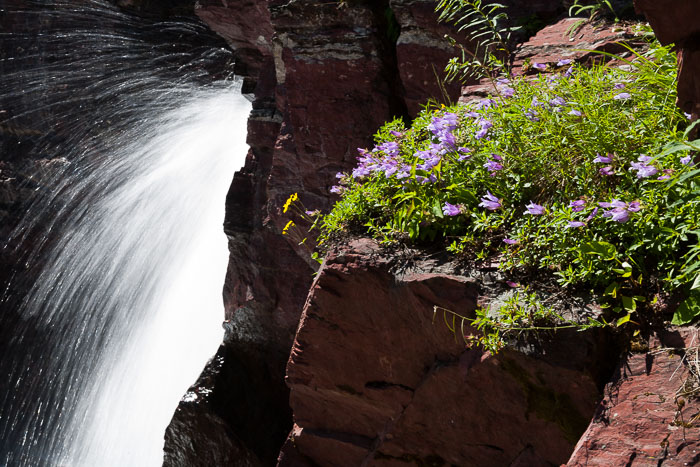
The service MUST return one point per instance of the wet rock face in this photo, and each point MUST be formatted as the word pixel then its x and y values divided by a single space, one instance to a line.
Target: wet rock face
pixel 675 21
pixel 649 413
pixel 377 378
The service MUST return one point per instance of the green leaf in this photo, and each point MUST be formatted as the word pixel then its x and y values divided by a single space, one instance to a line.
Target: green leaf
pixel 688 130
pixel 612 289
pixel 687 311
pixel 603 249
pixel 436 209
pixel 623 320
pixel 629 304
pixel 696 282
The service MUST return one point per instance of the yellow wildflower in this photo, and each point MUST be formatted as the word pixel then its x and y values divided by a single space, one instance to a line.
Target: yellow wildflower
pixel 289 201
pixel 285 231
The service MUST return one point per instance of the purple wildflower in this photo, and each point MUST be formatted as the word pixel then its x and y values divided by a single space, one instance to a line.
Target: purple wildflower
pixel 447 122
pixel 534 209
pixel 510 241
pixel 448 140
pixel 404 172
pixel 620 215
pixel 557 101
pixel 490 202
pixel 507 91
pixel 535 102
pixel 686 160
pixel 339 175
pixel 592 214
pixel 390 148
pixel 607 170
pixel 620 211
pixel 664 177
pixel 574 224
pixel 472 114
pixel 484 126
pixel 623 96
pixel 485 104
pixel 398 134
pixel 568 73
pixel 576 113
pixel 492 166
pixel 464 154
pixel 616 203
pixel 688 116
pixel 619 86
pixel 577 205
pixel 336 189
pixel 390 167
pixel 532 116
pixel 564 62
pixel 360 171
pixel 539 66
pixel 603 159
pixel 423 180
pixel 450 209
pixel 643 169
pixel 430 158
pixel 512 284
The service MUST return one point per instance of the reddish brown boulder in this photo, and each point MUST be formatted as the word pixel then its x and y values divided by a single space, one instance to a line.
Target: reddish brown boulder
pixel 376 378
pixel 676 22
pixel 554 42
pixel 649 415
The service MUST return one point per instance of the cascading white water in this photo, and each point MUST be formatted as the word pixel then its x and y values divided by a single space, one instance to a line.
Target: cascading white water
pixel 127 307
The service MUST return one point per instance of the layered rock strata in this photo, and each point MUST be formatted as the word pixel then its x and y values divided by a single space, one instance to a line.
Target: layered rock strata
pixel 650 414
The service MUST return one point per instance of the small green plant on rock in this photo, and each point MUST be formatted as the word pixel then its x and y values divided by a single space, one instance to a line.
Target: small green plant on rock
pixel 486 26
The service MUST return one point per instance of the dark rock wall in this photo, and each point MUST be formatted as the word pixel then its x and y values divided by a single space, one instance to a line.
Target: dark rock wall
pixel 676 22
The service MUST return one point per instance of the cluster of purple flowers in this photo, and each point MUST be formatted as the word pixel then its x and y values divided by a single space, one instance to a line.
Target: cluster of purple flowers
pixel 643 167
pixel 619 210
pixel 504 89
pixel 534 209
pixel 451 209
pixel 493 165
pixel 383 158
pixel 442 128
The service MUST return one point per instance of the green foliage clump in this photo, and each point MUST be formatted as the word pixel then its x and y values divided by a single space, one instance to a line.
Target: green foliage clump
pixel 585 173
pixel 486 25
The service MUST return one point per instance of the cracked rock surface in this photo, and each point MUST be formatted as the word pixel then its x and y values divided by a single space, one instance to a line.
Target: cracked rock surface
pixel 649 416
pixel 376 380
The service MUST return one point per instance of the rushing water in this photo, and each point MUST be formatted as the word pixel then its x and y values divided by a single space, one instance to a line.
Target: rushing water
pixel 129 253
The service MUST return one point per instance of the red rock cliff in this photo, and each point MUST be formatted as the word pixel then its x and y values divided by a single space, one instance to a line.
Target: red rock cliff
pixel 372 380
pixel 323 77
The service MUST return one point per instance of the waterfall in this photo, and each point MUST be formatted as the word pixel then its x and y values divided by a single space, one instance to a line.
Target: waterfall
pixel 127 251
